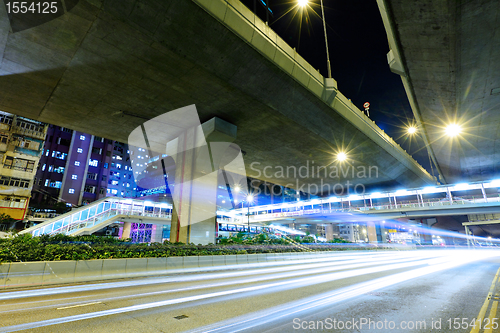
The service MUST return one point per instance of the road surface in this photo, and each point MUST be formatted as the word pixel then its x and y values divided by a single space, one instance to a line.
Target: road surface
pixel 386 291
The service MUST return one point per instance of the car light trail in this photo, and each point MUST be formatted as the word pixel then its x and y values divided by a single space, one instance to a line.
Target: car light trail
pixel 437 264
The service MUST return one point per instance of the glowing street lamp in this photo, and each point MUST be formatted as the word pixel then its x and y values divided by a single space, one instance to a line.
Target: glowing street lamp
pixel 341 157
pixel 412 130
pixel 453 130
pixel 303 4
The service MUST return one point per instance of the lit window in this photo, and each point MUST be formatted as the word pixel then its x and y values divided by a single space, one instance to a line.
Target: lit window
pixel 46 182
pixel 43 167
pixel 77 163
pixel 79 150
pixel 82 137
pixel 105 165
pixel 71 190
pixel 74 177
pixel 47 153
pixel 118 166
pixel 93 163
pixel 114 191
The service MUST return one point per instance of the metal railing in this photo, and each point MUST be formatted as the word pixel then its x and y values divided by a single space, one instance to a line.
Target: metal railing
pixel 278 211
pixel 99 212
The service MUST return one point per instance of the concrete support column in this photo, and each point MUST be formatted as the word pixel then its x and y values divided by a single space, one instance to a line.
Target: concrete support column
pixel 329 232
pixel 371 232
pixel 197 178
pixel 127 226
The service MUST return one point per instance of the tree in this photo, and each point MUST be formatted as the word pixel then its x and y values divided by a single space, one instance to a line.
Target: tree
pixel 5 220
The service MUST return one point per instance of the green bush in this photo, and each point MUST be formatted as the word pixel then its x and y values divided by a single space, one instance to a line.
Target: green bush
pixel 60 247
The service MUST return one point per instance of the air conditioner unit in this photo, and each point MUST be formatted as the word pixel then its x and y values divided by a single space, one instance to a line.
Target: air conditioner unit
pixel 109 232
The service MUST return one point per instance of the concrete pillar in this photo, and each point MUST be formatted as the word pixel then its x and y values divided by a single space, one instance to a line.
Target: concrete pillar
pixel 197 162
pixel 329 232
pixel 127 226
pixel 197 178
pixel 371 232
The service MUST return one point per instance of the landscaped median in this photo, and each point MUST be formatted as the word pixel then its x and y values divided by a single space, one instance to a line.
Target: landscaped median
pixel 34 261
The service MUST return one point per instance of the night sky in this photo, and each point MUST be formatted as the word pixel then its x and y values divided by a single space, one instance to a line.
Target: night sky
pixel 358 53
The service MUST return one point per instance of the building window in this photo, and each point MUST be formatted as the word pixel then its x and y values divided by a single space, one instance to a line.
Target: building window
pixel 4 138
pixel 92 176
pixel 55 184
pixel 59 155
pixel 59 169
pixel 90 189
pixel 114 191
pixel 82 137
pixel 105 165
pixel 71 190
pixel 102 190
pixel 74 177
pixel 79 150
pixel 77 163
pixel 93 163
pixel 46 182
pixel 118 166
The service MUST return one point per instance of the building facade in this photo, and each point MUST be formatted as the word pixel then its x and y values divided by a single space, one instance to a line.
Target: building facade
pixel 77 168
pixel 21 145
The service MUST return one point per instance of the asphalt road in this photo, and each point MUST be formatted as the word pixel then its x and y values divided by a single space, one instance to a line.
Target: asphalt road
pixel 400 291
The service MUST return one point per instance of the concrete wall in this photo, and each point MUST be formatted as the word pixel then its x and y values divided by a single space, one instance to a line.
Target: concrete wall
pixel 29 274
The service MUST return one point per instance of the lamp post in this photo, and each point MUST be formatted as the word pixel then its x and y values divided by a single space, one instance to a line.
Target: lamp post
pixel 326 42
pixel 303 3
pixel 249 200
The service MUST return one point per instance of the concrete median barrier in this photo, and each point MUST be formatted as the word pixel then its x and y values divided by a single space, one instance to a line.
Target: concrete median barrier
pixel 57 272
pixel 18 275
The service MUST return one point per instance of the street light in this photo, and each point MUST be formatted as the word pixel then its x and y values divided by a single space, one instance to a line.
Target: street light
pixel 303 3
pixel 453 130
pixel 341 157
pixel 412 130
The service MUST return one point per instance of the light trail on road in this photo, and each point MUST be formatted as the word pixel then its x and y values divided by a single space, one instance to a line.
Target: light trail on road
pixel 358 273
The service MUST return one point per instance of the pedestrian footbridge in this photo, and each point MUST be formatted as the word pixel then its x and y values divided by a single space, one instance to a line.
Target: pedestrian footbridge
pixel 99 214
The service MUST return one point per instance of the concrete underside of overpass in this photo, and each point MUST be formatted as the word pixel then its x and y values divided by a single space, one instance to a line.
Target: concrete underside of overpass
pixel 105 67
pixel 449 52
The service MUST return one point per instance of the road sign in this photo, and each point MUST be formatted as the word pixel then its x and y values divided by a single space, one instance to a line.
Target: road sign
pixel 366 105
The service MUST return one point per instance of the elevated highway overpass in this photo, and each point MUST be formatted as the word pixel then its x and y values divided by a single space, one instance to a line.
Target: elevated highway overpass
pixel 106 67
pixel 446 53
